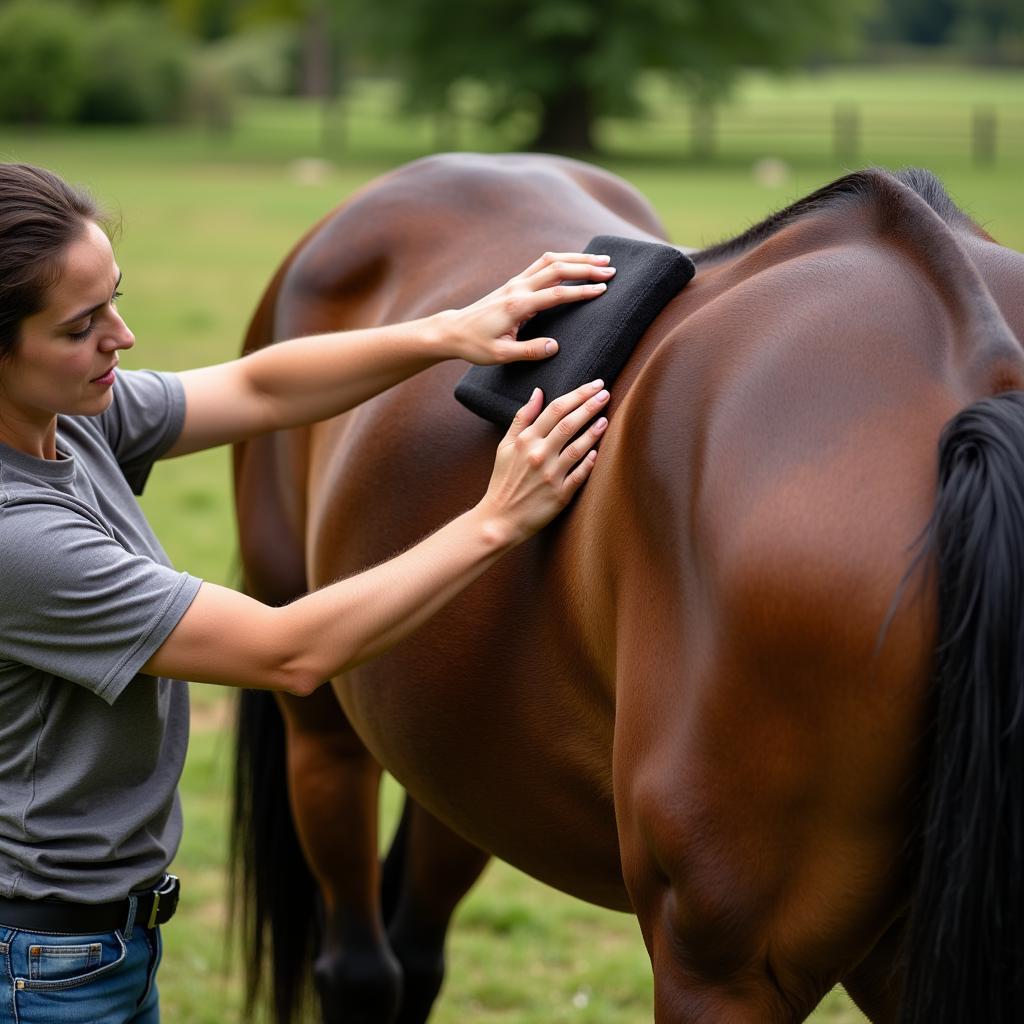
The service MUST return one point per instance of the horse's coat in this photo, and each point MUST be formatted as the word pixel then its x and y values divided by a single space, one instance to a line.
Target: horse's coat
pixel 678 700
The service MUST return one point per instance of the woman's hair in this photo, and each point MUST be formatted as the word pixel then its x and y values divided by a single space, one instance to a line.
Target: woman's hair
pixel 40 215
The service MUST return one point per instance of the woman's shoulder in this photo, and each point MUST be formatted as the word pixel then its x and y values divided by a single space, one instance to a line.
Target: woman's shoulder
pixel 32 516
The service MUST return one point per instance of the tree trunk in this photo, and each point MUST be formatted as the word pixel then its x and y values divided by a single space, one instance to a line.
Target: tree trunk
pixel 315 69
pixel 567 121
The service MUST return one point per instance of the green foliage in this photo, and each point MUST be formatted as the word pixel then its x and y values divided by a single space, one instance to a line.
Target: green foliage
pixel 984 29
pixel 920 22
pixel 990 29
pixel 258 61
pixel 205 19
pixel 138 69
pixel 214 20
pixel 42 61
pixel 112 63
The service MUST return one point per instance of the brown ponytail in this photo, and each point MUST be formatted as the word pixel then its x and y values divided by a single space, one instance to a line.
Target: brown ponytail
pixel 40 215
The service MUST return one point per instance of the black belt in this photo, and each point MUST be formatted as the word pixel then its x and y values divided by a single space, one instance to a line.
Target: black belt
pixel 155 907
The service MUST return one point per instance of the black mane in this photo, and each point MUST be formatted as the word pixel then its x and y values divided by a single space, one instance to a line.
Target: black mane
pixel 857 185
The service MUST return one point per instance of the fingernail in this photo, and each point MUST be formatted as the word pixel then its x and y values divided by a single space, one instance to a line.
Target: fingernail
pixel 601 259
pixel 597 383
pixel 599 287
pixel 607 270
pixel 550 347
pixel 602 396
pixel 534 393
pixel 601 424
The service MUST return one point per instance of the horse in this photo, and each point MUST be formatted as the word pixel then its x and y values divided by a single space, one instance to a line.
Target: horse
pixel 761 684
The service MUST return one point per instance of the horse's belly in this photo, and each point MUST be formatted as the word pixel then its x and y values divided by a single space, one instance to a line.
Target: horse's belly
pixel 489 733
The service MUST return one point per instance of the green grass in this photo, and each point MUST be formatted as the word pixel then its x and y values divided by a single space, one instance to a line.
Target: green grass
pixel 206 220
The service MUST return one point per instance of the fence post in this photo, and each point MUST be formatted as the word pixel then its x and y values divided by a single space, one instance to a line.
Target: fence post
pixel 983 135
pixel 702 128
pixel 846 133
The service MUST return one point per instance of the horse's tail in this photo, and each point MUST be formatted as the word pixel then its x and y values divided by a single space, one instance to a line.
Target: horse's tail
pixel 965 939
pixel 274 894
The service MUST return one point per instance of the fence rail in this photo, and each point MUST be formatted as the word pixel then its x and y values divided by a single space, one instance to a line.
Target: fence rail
pixel 369 118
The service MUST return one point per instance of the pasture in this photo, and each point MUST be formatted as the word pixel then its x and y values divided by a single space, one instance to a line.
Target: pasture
pixel 206 220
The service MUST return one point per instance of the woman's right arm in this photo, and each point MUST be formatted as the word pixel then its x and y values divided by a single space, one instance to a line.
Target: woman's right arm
pixel 226 637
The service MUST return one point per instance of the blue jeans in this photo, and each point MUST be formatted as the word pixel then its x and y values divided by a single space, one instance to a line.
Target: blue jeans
pixel 109 978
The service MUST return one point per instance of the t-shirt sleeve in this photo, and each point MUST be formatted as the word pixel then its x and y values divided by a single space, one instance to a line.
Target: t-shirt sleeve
pixel 76 604
pixel 143 421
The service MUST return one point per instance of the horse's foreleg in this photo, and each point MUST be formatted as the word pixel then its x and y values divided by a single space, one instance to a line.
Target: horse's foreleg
pixel 427 872
pixel 334 785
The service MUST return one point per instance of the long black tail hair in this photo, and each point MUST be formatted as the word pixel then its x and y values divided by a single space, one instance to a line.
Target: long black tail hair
pixel 274 893
pixel 964 949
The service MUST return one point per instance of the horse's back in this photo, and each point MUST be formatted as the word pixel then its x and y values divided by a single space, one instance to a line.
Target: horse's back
pixel 438 232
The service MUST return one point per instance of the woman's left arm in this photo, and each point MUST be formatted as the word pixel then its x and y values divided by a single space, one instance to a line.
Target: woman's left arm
pixel 309 379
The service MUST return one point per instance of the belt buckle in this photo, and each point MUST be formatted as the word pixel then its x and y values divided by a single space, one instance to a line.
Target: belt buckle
pixel 166 891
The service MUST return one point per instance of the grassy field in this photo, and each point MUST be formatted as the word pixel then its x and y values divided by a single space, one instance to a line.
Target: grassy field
pixel 205 221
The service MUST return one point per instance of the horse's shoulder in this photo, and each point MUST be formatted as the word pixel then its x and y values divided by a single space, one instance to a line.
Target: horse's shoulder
pixel 472 183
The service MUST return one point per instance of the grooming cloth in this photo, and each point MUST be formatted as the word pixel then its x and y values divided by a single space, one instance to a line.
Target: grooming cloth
pixel 595 336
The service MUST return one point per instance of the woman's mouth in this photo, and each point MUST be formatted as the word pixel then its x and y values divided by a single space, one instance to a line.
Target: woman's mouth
pixel 105 379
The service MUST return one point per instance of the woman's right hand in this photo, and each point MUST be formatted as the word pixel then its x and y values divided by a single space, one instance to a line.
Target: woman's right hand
pixel 541 463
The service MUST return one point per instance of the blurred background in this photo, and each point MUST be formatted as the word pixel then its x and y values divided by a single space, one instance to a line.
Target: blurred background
pixel 218 131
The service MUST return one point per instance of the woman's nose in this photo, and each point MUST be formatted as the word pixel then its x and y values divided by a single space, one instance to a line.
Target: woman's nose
pixel 119 336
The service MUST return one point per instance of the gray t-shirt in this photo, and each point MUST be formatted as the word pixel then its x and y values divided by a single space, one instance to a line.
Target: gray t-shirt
pixel 89 765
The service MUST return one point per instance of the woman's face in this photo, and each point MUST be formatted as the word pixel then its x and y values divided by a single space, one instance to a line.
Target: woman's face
pixel 65 357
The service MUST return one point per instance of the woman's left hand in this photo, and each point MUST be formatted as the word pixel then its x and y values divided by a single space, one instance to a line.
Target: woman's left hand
pixel 486 331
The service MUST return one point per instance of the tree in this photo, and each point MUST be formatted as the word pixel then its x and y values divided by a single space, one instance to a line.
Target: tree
pixel 985 27
pixel 920 22
pixel 980 27
pixel 571 60
pixel 205 19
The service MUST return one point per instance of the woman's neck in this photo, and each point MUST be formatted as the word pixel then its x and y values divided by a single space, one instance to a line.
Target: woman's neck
pixel 38 439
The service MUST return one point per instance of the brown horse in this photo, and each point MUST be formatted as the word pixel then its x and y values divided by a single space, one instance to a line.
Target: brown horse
pixel 762 684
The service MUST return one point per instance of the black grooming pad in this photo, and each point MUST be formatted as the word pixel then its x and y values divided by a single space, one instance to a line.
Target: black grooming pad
pixel 595 336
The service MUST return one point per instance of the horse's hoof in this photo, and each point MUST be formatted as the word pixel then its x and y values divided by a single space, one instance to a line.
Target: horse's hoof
pixel 358 987
pixel 422 977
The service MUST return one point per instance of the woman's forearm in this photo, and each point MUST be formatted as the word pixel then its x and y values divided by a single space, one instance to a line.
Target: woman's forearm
pixel 347 623
pixel 301 381
pixel 309 379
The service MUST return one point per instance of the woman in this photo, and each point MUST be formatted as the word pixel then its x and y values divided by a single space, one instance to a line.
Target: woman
pixel 94 623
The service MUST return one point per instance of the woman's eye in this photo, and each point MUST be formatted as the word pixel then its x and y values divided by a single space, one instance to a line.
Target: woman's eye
pixel 115 297
pixel 82 335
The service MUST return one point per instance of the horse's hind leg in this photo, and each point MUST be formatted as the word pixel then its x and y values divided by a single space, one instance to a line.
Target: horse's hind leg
pixel 427 872
pixel 875 984
pixel 334 786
